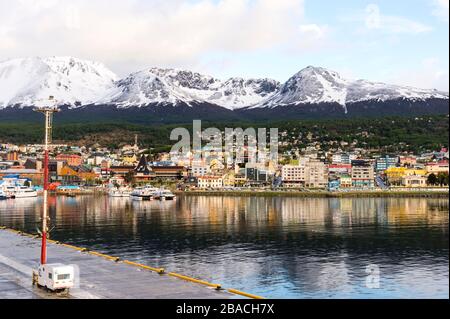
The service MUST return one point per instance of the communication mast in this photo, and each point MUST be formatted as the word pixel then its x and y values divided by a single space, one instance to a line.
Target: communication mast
pixel 48 110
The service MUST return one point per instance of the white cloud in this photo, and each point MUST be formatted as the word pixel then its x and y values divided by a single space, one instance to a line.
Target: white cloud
pixel 375 20
pixel 138 33
pixel 441 9
pixel 431 73
pixel 311 37
pixel 313 31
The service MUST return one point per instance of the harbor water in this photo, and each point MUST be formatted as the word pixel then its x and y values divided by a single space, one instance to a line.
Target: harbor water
pixel 276 247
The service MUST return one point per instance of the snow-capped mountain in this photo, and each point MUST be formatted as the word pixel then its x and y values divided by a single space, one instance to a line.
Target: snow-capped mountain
pixel 315 85
pixel 74 82
pixel 310 85
pixel 170 86
pixel 88 87
pixel 237 93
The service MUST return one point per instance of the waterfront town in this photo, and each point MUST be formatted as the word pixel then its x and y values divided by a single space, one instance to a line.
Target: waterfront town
pixel 80 169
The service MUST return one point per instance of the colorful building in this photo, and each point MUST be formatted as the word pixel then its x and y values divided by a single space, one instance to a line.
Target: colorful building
pixel 339 169
pixel 71 159
pixel 345 181
pixel 229 180
pixel 12 156
pixel 408 161
pixel 362 174
pixel 385 162
pixel 437 167
pixel 71 175
pixel 395 174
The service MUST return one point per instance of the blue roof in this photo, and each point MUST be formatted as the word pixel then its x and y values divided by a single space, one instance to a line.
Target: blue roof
pixel 68 187
pixel 12 176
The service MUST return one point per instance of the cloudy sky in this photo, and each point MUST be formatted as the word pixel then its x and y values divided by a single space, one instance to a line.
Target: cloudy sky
pixel 401 41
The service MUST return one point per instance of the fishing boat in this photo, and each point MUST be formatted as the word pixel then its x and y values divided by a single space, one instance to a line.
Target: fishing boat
pixel 143 193
pixel 3 195
pixel 164 194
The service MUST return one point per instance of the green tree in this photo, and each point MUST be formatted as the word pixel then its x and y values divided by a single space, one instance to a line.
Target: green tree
pixel 442 179
pixel 432 180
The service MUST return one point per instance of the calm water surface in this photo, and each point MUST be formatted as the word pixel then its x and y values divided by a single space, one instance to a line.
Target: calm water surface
pixel 275 247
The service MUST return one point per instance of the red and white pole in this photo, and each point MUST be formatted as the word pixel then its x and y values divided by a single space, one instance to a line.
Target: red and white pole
pixel 48 113
pixel 48 118
pixel 45 211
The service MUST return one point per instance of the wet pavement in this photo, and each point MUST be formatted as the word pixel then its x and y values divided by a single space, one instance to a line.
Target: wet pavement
pixel 99 277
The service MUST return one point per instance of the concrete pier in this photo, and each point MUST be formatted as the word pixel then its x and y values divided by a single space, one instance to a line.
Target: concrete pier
pixel 100 277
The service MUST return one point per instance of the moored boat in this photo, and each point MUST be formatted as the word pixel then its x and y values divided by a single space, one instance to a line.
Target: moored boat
pixel 12 186
pixel 143 193
pixel 164 194
pixel 119 192
pixel 24 192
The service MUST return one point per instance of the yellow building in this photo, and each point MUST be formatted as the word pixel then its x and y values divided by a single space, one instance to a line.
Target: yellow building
pixel 416 172
pixel 129 160
pixel 76 175
pixel 395 174
pixel 229 180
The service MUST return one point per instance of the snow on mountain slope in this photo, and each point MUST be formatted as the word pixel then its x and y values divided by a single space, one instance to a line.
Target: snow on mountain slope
pixel 72 81
pixel 314 85
pixel 237 92
pixel 170 86
pixel 362 90
pixel 140 89
pixel 311 85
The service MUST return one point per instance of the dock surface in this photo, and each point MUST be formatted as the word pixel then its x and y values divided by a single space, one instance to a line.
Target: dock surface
pixel 100 278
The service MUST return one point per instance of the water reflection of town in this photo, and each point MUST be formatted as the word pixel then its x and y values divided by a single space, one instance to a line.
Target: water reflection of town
pixel 307 244
pixel 230 213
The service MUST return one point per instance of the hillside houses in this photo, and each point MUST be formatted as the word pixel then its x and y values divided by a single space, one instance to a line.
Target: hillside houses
pixel 307 169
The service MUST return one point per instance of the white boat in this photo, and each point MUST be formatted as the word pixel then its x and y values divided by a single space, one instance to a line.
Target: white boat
pixel 119 192
pixel 23 192
pixel 164 194
pixel 13 186
pixel 143 193
pixel 8 190
pixel 2 195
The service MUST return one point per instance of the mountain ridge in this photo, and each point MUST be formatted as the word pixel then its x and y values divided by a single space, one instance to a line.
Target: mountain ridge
pixel 81 84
